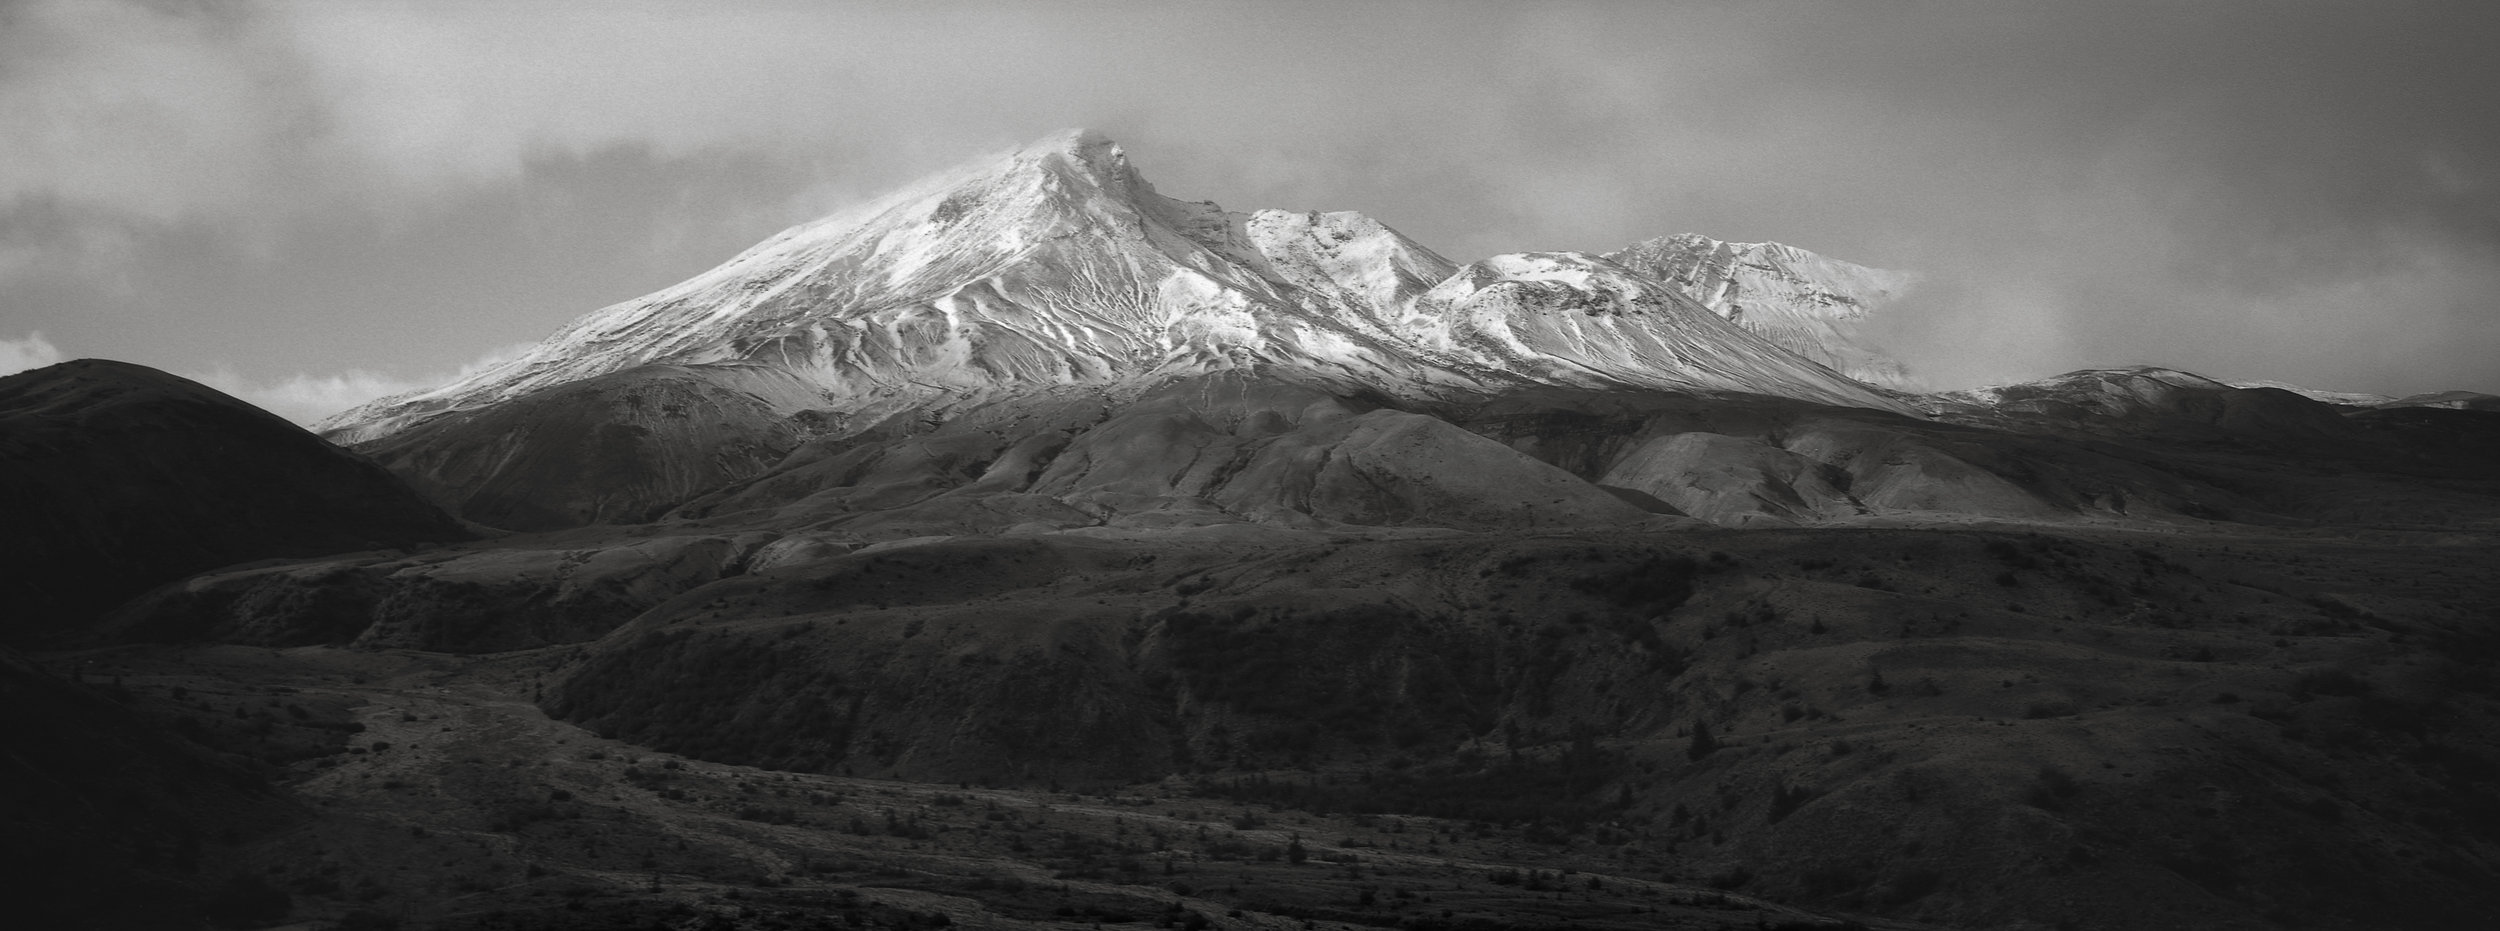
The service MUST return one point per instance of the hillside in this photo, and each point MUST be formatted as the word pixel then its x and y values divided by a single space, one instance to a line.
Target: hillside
pixel 118 477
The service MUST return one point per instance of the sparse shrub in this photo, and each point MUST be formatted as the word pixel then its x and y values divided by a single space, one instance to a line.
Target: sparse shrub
pixel 2052 789
pixel 1734 878
pixel 1785 800
pixel 763 815
pixel 2328 682
pixel 2048 709
pixel 1702 744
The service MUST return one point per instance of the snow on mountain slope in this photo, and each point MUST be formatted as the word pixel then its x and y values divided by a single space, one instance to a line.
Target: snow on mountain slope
pixel 1802 302
pixel 1576 320
pixel 1056 264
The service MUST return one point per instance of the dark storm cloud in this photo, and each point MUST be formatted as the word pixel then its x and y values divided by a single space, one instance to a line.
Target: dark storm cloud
pixel 2302 192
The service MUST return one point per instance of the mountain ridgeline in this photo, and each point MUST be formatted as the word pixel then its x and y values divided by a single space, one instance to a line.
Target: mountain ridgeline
pixel 1545 590
pixel 1048 274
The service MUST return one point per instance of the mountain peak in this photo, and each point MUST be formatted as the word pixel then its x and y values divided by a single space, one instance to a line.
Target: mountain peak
pixel 1084 150
pixel 1055 263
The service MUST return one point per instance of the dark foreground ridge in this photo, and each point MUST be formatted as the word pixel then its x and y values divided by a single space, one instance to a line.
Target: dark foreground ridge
pixel 117 477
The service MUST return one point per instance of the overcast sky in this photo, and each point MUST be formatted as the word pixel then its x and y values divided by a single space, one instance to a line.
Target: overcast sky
pixel 313 203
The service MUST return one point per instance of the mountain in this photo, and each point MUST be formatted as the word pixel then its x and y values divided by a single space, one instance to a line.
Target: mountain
pixel 1805 303
pixel 618 447
pixel 1051 267
pixel 1029 549
pixel 2150 400
pixel 2343 398
pixel 2451 400
pixel 117 477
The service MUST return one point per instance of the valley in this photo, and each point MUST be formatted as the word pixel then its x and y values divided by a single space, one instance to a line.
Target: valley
pixel 1896 727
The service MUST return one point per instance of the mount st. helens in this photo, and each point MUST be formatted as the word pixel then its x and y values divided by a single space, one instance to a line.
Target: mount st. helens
pixel 1348 584
pixel 1051 269
pixel 1059 264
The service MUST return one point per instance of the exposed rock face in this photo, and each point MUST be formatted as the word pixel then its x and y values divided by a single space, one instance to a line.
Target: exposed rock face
pixel 1805 303
pixel 118 477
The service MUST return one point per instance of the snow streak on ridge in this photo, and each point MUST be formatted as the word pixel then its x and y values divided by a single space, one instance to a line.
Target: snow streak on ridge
pixel 1057 264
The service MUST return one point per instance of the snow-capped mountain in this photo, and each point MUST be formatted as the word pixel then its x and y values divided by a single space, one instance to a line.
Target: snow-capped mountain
pixel 1805 303
pixel 1057 264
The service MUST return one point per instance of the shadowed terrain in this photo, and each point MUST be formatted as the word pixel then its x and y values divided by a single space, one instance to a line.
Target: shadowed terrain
pixel 118 477
pixel 1953 727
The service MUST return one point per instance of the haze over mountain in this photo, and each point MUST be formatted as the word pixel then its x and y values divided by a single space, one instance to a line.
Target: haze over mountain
pixel 369 197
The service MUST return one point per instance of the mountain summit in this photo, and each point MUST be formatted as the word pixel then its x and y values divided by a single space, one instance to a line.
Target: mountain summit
pixel 1050 271
pixel 1057 263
